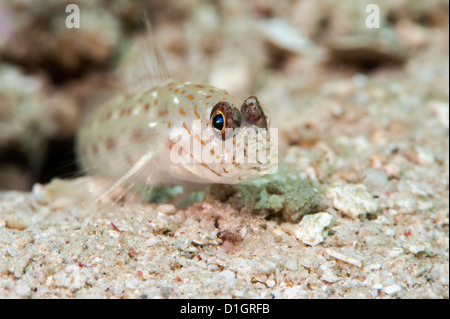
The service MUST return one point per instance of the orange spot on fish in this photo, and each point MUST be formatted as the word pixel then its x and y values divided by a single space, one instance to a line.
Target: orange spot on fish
pixel 195 111
pixel 107 116
pixel 199 139
pixel 169 143
pixel 163 112
pixel 137 135
pixel 110 143
pixel 184 125
pixel 190 97
pixel 182 112
pixel 128 160
pixel 94 149
pixel 213 171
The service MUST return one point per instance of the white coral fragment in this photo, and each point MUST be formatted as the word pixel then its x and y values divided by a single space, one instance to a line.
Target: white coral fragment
pixel 311 230
pixel 352 199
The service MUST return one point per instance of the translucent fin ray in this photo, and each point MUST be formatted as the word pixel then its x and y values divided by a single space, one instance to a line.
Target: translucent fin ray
pixel 139 166
pixel 145 67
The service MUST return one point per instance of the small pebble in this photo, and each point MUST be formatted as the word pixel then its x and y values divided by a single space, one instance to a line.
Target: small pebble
pixel 352 200
pixel 350 260
pixel 392 289
pixel 291 264
pixel 311 230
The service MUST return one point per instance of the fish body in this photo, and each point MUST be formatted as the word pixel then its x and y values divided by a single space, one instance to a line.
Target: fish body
pixel 177 133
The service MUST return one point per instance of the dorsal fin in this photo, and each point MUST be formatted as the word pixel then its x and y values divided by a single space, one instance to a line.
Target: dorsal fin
pixel 145 66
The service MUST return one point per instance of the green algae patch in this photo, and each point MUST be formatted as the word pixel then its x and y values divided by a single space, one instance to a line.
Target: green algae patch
pixel 284 194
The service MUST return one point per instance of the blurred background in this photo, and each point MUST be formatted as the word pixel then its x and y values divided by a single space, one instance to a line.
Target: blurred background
pixel 326 77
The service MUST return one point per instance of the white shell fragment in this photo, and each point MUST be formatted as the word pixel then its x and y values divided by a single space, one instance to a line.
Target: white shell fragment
pixel 284 36
pixel 392 289
pixel 344 258
pixel 311 230
pixel 352 199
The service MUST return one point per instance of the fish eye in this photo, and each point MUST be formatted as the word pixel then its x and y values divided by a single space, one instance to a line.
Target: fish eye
pixel 253 113
pixel 225 116
pixel 218 122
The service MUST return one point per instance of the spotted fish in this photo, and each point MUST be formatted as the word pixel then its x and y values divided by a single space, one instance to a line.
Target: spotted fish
pixel 177 133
